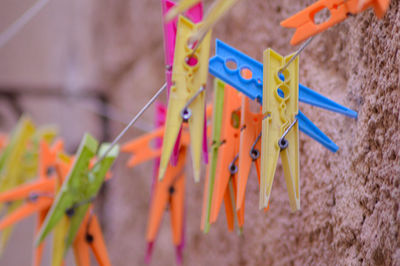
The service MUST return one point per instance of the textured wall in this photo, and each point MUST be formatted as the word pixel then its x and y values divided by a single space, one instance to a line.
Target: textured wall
pixel 350 200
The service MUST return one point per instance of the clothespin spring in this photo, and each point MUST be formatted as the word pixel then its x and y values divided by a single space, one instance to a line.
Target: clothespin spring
pixel 186 113
pixel 233 169
pixel 34 196
pixel 283 144
pixel 254 153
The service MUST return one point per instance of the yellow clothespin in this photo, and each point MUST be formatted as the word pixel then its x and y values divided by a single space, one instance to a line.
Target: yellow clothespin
pixel 217 10
pixel 280 132
pixel 187 95
pixel 181 7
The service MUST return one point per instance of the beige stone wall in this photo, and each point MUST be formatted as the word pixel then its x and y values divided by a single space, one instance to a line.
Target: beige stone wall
pixel 350 200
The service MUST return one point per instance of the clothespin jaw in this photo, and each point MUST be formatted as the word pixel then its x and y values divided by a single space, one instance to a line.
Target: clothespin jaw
pixel 79 188
pixel 189 80
pixel 280 107
pixel 219 88
pixel 306 27
pixel 181 7
pixel 227 154
pixel 90 236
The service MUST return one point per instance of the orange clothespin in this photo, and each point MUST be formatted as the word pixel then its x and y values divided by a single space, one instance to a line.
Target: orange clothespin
pixel 170 191
pixel 225 182
pixel 306 27
pixel 90 236
pixel 250 148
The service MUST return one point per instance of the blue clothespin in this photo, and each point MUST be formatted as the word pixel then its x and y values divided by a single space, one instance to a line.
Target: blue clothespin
pixel 228 65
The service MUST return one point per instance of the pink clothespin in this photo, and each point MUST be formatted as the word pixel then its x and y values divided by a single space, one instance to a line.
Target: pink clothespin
pixel 196 15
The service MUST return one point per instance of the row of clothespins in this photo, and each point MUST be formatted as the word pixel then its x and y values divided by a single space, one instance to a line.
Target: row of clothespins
pixel 255 119
pixel 38 177
pixel 255 115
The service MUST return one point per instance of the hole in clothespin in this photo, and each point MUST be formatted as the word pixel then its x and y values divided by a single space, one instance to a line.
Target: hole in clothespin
pixel 171 190
pixel 50 170
pixel 246 73
pixel 322 16
pixel 231 64
pixel 235 119
pixel 89 238
pixel 191 60
pixel 280 93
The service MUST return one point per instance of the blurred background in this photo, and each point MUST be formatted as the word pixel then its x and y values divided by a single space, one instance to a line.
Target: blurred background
pixel 76 60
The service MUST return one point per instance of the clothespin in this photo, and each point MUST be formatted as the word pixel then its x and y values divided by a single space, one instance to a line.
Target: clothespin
pixel 279 127
pixel 3 141
pixel 219 88
pixel 221 67
pixel 226 170
pixel 170 191
pixel 249 149
pixel 339 10
pixel 79 189
pixel 181 7
pixel 187 97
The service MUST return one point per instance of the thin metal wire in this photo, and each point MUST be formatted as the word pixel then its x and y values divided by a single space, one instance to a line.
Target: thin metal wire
pixel 14 28
pixel 303 46
pixel 185 112
pixel 288 129
pixel 131 123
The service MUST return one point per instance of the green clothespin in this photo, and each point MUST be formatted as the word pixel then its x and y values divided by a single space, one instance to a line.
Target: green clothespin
pixel 219 88
pixel 79 189
pixel 11 170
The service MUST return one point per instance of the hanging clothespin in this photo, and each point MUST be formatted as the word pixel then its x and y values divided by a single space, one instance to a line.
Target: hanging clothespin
pixel 279 127
pixel 250 148
pixel 79 189
pixel 195 14
pixel 226 170
pixel 219 88
pixel 187 96
pixel 180 8
pixel 339 10
pixel 169 192
pixel 229 64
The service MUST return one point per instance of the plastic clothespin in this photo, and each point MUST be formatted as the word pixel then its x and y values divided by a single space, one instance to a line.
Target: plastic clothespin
pixel 339 10
pixel 187 96
pixel 179 8
pixel 220 66
pixel 217 10
pixel 219 88
pixel 91 237
pixel 226 169
pixel 250 148
pixel 195 14
pixel 79 189
pixel 280 108
pixel 170 191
